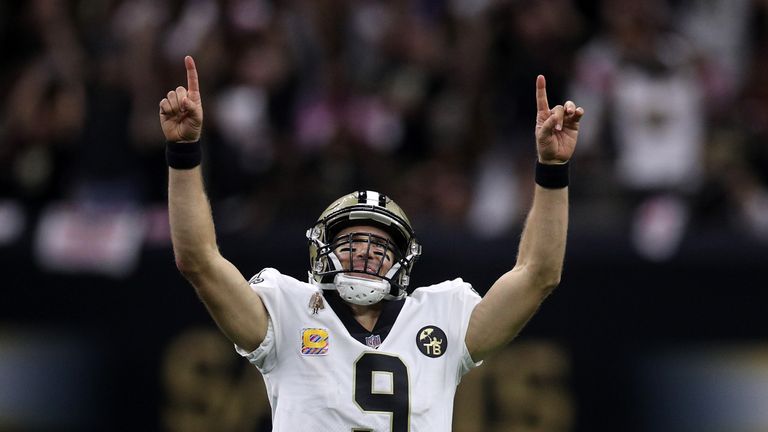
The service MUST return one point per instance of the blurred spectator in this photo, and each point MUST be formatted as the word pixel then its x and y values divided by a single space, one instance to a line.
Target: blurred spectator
pixel 524 40
pixel 721 36
pixel 310 97
pixel 642 87
pixel 735 196
pixel 745 158
pixel 44 106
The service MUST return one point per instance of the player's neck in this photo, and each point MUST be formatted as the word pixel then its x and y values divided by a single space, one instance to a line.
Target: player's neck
pixel 366 315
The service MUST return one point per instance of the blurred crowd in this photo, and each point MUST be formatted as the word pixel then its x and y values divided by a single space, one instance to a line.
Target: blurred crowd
pixel 429 101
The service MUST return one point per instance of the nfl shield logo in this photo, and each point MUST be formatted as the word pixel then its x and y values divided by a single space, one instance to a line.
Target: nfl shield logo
pixel 373 341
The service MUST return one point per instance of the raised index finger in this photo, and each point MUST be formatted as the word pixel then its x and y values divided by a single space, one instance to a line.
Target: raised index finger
pixel 541 94
pixel 192 84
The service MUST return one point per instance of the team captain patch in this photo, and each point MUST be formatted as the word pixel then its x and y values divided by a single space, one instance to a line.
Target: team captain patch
pixel 314 341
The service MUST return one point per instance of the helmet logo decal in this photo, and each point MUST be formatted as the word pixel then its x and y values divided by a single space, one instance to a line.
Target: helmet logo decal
pixel 431 341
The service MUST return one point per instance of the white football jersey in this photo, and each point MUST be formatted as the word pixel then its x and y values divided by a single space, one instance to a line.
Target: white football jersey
pixel 319 377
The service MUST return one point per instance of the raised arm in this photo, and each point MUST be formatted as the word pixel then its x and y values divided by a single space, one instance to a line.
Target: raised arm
pixel 517 294
pixel 237 310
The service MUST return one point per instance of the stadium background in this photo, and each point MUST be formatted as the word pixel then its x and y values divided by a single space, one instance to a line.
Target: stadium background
pixel 658 325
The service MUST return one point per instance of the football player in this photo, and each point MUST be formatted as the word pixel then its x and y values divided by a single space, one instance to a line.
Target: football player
pixel 355 348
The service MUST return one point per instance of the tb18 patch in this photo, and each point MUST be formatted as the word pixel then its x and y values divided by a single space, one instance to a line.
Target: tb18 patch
pixel 314 341
pixel 431 341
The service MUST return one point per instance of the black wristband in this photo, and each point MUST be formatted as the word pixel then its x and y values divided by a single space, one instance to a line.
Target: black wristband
pixel 183 156
pixel 552 176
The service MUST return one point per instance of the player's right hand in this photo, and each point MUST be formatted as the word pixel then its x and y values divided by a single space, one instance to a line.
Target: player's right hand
pixel 181 111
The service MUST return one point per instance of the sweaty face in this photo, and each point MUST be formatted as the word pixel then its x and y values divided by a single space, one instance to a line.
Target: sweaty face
pixel 365 249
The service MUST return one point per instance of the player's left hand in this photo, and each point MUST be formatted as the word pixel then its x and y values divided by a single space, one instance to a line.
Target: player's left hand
pixel 556 128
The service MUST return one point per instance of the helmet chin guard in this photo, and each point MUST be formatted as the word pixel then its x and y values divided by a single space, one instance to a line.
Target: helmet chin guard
pixel 361 291
pixel 366 285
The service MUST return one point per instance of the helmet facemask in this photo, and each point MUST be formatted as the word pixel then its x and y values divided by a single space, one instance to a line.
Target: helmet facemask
pixel 364 254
